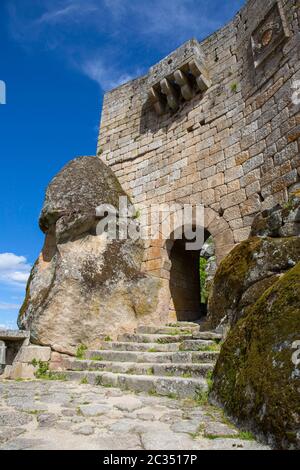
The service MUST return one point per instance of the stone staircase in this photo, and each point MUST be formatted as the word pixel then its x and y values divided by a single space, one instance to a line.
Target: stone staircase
pixel 174 360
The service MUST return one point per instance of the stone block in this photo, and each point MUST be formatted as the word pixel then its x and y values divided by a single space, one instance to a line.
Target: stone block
pixel 29 353
pixel 234 185
pixel 232 213
pixel 236 223
pixel 20 370
pixel 253 163
pixel 233 199
pixel 241 234
pixel 251 205
pixel 215 180
pixel 242 158
pixel 224 238
pixel 233 173
pixel 208 197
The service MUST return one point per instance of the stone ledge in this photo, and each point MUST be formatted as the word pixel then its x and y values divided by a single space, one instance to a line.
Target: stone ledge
pixel 14 335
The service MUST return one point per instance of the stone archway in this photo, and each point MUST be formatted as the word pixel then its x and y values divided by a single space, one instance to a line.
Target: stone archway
pixel 159 263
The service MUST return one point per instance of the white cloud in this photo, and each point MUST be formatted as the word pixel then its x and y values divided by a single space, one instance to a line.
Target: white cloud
pixel 14 269
pixel 69 12
pixel 107 76
pixel 163 22
pixel 120 26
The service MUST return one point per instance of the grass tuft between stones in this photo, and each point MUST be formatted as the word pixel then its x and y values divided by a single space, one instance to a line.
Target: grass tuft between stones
pixel 43 373
pixel 81 350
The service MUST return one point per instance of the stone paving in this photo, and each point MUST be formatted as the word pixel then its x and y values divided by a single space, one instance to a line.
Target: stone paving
pixel 41 415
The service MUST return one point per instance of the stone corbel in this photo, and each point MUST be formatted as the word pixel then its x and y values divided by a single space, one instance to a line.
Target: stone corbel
pixel 200 75
pixel 168 89
pixel 186 89
pixel 157 101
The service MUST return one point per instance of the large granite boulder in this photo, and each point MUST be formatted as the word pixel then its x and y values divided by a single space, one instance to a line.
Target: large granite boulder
pixel 246 273
pixel 85 285
pixel 257 376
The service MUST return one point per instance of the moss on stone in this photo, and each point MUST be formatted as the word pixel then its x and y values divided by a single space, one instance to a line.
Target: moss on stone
pixel 229 280
pixel 252 261
pixel 255 378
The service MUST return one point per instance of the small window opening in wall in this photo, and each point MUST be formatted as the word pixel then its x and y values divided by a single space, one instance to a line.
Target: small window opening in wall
pixel 170 61
pixel 202 123
pixel 190 129
pixel 261 197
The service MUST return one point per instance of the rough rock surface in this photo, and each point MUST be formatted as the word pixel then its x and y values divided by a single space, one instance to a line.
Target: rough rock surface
pixel 279 221
pixel 84 285
pixel 257 377
pixel 43 415
pixel 246 273
pixel 208 252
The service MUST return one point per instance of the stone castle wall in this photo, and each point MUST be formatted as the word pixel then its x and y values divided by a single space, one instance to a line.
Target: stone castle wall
pixel 233 145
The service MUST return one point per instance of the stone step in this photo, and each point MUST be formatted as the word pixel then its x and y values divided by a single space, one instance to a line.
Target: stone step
pixel 208 335
pixel 183 324
pixel 189 369
pixel 178 387
pixel 142 347
pixel 153 357
pixel 197 345
pixel 169 330
pixel 153 338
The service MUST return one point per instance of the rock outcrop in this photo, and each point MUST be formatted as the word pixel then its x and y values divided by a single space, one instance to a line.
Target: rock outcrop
pixel 279 221
pixel 246 273
pixel 256 264
pixel 85 285
pixel 256 294
pixel 257 377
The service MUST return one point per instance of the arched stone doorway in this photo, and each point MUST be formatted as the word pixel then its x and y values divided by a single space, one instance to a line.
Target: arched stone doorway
pixel 186 301
pixel 158 263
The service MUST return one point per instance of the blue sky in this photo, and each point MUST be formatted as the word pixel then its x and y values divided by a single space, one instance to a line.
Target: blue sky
pixel 57 58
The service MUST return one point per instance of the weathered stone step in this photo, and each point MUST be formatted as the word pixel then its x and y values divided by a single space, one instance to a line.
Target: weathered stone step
pixel 153 338
pixel 153 357
pixel 183 324
pixel 169 386
pixel 169 330
pixel 150 347
pixel 197 345
pixel 187 370
pixel 208 335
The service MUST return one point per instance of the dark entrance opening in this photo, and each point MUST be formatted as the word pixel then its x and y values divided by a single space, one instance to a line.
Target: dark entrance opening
pixel 187 299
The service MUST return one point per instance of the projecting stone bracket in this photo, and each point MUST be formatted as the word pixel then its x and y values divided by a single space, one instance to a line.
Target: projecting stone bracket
pixel 201 75
pixel 157 101
pixel 185 85
pixel 171 93
pixel 178 78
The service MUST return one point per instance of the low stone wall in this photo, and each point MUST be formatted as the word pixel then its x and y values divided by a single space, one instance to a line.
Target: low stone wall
pixel 19 355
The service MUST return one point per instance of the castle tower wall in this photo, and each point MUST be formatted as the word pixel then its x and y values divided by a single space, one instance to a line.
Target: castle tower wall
pixel 215 123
